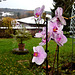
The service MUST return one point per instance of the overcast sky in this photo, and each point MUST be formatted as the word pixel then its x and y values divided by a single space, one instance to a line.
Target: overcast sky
pixel 27 4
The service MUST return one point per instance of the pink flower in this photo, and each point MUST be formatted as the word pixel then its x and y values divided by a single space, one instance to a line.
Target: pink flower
pixel 39 55
pixel 60 39
pixel 38 12
pixel 38 35
pixel 41 34
pixel 56 33
pixel 59 11
pixel 44 39
pixel 58 17
pixel 53 28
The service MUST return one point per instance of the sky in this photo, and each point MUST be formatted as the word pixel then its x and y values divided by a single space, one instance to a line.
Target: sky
pixel 27 4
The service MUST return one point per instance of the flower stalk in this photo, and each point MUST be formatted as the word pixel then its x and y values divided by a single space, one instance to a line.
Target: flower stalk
pixel 47 46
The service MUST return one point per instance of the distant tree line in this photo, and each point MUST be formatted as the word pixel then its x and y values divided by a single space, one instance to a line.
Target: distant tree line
pixel 18 13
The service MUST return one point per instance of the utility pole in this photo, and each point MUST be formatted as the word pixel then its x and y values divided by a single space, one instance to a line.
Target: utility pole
pixel 72 28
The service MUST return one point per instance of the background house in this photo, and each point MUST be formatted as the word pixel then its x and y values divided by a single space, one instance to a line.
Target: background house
pixel 29 23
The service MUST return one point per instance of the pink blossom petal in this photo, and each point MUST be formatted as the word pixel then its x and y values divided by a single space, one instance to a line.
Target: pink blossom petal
pixel 54 19
pixel 62 20
pixel 34 49
pixel 59 11
pixel 44 41
pixel 42 9
pixel 58 17
pixel 61 28
pixel 60 39
pixel 42 44
pixel 34 58
pixel 39 59
pixel 52 27
pixel 38 12
pixel 38 35
pixel 41 34
pixel 40 49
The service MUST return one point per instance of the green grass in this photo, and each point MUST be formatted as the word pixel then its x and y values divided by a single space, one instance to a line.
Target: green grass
pixel 13 64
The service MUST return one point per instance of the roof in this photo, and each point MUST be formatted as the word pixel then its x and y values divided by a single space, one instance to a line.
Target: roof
pixel 30 20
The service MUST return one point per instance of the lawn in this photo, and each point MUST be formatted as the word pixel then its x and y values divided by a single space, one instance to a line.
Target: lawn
pixel 14 64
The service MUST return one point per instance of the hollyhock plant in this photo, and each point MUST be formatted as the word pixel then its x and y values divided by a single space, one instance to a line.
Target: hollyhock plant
pixel 38 12
pixel 39 55
pixel 58 17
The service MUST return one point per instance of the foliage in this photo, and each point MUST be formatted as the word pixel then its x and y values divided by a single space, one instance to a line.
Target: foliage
pixel 6 22
pixel 13 64
pixel 67 34
pixel 22 35
pixel 65 4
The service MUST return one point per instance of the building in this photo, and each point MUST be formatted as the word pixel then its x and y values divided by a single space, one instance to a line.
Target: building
pixel 29 23
pixel 6 14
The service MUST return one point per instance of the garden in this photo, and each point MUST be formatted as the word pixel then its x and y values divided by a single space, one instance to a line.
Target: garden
pixel 16 64
pixel 49 52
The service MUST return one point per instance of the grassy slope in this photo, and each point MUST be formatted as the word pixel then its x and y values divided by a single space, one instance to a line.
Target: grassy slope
pixel 20 64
